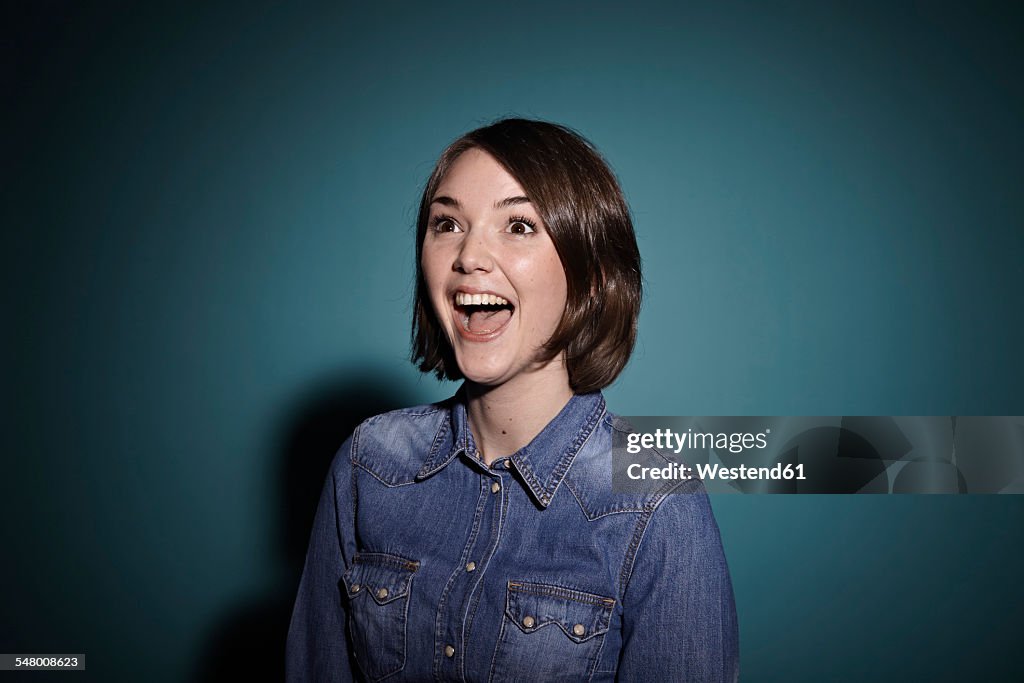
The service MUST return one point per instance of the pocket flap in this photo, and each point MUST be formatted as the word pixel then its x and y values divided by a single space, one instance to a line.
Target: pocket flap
pixel 383 577
pixel 580 615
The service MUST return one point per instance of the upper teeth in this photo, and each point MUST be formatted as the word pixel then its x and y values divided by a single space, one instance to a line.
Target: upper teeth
pixel 464 299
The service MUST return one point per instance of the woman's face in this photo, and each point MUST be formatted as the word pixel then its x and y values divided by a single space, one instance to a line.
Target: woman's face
pixel 492 272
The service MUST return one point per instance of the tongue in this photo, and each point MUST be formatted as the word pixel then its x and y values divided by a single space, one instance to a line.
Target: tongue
pixel 482 322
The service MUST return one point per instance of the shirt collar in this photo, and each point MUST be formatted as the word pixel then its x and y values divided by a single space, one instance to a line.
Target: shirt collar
pixel 543 462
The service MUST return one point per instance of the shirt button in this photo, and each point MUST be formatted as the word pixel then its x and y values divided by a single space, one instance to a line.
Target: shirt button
pixel 356 587
pixel 495 487
pixel 528 622
pixel 578 630
pixel 470 566
pixel 507 464
pixel 449 651
pixel 382 593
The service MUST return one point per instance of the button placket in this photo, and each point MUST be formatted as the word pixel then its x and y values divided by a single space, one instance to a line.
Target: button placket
pixel 459 596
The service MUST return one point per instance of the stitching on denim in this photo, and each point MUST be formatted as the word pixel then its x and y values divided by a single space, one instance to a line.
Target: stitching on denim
pixel 405 632
pixel 617 511
pixel 597 655
pixel 640 531
pixel 507 619
pixel 474 536
pixel 531 480
pixel 379 478
pixel 634 543
pixel 353 490
pixel 350 629
pixel 582 439
pixel 606 510
pixel 563 592
pixel 439 439
pixel 501 641
pixel 453 577
pixel 562 466
pixel 586 513
pixel 353 481
pixel 366 467
pixel 475 591
pixel 653 504
pixel 600 636
pixel 386 560
pixel 433 463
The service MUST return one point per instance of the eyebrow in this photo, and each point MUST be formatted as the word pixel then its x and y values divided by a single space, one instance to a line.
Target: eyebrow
pixel 505 203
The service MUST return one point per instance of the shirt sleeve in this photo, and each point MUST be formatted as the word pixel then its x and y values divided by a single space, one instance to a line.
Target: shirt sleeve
pixel 679 616
pixel 317 648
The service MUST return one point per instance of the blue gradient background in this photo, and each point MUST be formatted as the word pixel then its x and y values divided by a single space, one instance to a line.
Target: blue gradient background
pixel 208 270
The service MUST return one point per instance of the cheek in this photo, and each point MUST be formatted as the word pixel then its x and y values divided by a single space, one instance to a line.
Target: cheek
pixel 432 265
pixel 555 282
pixel 550 289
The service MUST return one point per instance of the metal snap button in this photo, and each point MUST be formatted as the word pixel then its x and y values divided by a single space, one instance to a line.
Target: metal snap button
pixel 578 630
pixel 470 566
pixel 507 464
pixel 528 622
pixel 356 587
pixel 382 593
pixel 449 651
pixel 495 487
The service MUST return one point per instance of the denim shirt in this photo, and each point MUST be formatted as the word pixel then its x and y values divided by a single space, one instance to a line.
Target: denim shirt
pixel 426 564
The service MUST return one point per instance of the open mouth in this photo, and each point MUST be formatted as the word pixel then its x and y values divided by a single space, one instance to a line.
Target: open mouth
pixel 481 315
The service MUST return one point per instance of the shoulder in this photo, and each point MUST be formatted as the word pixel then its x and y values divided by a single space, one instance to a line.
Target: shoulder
pixel 400 427
pixel 598 484
pixel 392 446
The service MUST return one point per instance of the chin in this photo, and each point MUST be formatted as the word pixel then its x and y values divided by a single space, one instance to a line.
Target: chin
pixel 482 372
pixel 482 377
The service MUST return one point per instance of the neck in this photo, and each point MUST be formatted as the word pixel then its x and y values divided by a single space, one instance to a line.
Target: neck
pixel 506 417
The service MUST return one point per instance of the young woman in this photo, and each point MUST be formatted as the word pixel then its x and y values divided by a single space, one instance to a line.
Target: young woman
pixel 480 539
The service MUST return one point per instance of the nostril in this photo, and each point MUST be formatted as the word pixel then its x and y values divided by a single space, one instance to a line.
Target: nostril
pixel 472 256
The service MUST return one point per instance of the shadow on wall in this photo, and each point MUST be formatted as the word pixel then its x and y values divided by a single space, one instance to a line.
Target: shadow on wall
pixel 249 642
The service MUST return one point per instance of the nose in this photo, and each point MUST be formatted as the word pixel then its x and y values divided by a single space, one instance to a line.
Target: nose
pixel 474 254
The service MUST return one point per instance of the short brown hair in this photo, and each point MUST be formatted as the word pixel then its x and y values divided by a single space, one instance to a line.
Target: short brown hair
pixel 581 203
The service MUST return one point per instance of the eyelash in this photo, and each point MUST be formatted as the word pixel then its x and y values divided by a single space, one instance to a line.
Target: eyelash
pixel 436 221
pixel 525 221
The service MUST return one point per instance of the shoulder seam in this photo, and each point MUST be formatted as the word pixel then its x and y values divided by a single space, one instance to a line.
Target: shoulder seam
pixel 638 534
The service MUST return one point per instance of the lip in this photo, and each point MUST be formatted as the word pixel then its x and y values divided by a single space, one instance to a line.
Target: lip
pixel 456 315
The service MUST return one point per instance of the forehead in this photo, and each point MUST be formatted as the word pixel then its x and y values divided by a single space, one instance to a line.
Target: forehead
pixel 476 175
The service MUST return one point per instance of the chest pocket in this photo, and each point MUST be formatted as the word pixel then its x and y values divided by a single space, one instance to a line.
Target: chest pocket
pixel 550 633
pixel 378 596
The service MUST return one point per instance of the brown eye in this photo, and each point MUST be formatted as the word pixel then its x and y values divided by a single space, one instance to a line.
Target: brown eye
pixel 443 224
pixel 521 227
